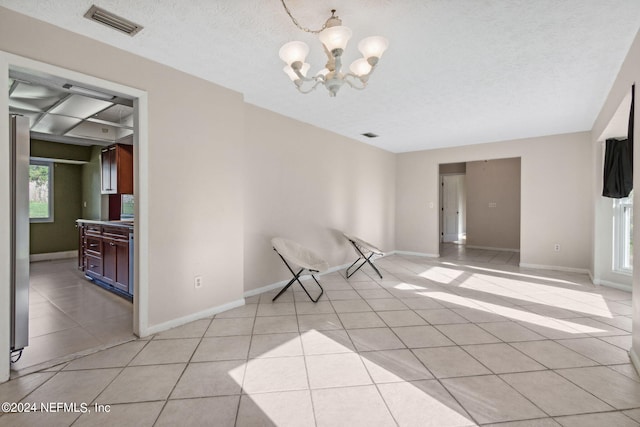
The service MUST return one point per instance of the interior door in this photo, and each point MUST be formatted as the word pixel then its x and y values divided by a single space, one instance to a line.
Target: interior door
pixel 452 207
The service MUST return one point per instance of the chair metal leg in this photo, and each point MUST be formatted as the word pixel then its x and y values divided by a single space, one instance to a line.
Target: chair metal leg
pixel 296 278
pixel 373 266
pixel 305 289
pixel 354 271
pixel 363 257
pixel 287 285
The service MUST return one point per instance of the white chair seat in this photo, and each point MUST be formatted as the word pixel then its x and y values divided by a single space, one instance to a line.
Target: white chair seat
pixel 297 257
pixel 365 251
pixel 365 246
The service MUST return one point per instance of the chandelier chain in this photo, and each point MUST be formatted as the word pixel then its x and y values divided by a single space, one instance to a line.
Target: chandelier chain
pixel 295 21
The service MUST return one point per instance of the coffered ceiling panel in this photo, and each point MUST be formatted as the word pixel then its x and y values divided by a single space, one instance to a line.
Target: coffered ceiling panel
pixel 79 106
pixel 56 125
pixel 57 114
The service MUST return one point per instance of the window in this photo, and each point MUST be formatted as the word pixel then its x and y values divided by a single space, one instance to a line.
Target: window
pixel 623 235
pixel 127 209
pixel 40 191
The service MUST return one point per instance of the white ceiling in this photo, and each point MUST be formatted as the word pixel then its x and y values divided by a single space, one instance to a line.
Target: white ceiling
pixel 457 72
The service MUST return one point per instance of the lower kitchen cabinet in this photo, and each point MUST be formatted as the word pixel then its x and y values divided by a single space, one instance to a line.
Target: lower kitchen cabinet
pixel 105 255
pixel 115 267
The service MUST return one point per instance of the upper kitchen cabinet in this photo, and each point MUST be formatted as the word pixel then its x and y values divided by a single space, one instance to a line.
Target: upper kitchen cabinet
pixel 117 169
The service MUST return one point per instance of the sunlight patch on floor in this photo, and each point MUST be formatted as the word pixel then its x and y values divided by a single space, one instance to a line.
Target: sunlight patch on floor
pixel 428 398
pixel 441 274
pixel 514 314
pixel 510 273
pixel 409 287
pixel 569 299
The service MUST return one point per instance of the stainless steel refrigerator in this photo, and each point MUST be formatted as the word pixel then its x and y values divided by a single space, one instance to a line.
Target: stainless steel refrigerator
pixel 19 128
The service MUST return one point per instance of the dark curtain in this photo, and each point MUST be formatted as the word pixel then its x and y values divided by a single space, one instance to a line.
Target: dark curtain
pixel 618 162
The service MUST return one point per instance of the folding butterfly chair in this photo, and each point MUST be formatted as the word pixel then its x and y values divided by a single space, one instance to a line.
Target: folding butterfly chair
pixel 365 251
pixel 297 257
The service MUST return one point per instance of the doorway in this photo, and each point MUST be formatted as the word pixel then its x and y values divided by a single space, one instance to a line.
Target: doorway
pixel 480 204
pixel 57 298
pixel 453 209
pixel 453 197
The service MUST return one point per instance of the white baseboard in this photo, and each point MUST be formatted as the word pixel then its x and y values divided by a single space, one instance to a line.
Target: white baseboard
pixel 489 248
pixel 190 318
pixel 422 254
pixel 610 284
pixel 277 285
pixel 635 360
pixel 268 288
pixel 53 256
pixel 555 268
pixel 280 284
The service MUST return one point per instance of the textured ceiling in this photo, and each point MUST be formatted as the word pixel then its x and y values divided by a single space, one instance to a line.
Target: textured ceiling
pixel 457 72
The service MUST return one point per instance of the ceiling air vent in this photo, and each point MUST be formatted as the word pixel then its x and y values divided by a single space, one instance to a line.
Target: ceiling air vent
pixel 370 135
pixel 113 21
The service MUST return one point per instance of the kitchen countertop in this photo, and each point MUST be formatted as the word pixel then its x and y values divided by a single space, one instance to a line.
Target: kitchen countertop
pixel 117 223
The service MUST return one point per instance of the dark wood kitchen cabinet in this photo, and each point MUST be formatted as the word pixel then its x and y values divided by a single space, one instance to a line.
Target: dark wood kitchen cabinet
pixel 117 169
pixel 105 255
pixel 115 257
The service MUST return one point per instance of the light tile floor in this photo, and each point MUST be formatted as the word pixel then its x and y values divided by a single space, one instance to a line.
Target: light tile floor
pixel 467 339
pixel 69 314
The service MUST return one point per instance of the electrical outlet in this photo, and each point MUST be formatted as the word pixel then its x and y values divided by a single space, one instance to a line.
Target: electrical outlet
pixel 197 282
pixel 556 247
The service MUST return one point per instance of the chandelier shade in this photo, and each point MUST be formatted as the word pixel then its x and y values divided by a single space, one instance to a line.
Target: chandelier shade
pixel 334 38
pixel 292 74
pixel 294 52
pixel 360 67
pixel 373 47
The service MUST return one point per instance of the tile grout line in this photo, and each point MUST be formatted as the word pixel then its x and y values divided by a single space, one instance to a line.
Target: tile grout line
pixel 166 400
pixel 114 378
pixel 246 365
pixel 453 290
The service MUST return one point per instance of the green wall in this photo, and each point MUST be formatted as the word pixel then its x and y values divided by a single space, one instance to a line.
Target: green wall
pixel 61 234
pixel 56 150
pixel 72 185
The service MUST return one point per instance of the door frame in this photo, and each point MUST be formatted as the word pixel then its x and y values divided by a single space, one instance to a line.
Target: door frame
pixel 10 61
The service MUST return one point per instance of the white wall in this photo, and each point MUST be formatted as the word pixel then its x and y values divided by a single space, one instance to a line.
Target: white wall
pixel 194 182
pixel 310 185
pixel 555 197
pixel 628 75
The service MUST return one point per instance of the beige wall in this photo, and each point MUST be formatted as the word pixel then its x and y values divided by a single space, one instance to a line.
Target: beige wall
pixel 629 74
pixel 453 168
pixel 493 203
pixel 196 144
pixel 556 173
pixel 310 185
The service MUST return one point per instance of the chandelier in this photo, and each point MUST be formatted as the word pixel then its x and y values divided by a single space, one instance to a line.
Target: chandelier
pixel 334 37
